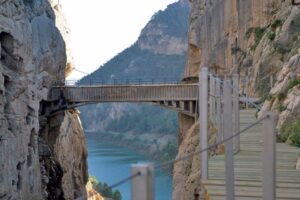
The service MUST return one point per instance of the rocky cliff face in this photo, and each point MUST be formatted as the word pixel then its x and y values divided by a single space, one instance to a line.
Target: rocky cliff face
pixel 257 39
pixel 33 58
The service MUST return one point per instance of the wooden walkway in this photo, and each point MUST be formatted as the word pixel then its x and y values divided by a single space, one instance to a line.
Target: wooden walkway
pixel 248 168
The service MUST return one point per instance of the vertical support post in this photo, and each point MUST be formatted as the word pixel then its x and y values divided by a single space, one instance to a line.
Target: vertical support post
pixel 269 157
pixel 143 185
pixel 236 111
pixel 210 97
pixel 213 105
pixel 218 109
pixel 203 92
pixel 247 92
pixel 229 166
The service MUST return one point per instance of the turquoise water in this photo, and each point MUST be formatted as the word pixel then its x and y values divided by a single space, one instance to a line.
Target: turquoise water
pixel 111 164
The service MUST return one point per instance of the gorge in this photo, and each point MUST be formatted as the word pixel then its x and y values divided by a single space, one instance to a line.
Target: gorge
pixel 46 157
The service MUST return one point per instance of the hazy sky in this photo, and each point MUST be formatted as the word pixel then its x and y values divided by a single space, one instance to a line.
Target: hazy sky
pixel 102 28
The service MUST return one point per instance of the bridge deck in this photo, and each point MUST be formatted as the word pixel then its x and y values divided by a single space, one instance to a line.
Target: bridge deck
pixel 248 168
pixel 127 93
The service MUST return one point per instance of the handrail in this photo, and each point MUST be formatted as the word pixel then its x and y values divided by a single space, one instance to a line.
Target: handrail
pixel 189 155
pixel 240 94
pixel 137 81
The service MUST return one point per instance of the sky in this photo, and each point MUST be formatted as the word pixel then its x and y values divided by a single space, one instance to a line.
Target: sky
pixel 100 29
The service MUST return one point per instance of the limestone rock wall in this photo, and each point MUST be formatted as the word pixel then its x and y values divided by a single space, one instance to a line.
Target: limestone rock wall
pixel 257 39
pixel 238 36
pixel 64 136
pixel 33 58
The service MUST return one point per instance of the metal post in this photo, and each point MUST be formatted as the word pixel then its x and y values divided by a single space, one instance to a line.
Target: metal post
pixel 203 92
pixel 210 97
pixel 213 106
pixel 236 111
pixel 247 92
pixel 229 166
pixel 143 185
pixel 269 157
pixel 218 110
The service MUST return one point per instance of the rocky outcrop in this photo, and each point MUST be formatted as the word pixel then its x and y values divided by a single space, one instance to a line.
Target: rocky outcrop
pixel 64 136
pixel 186 178
pixel 33 58
pixel 92 194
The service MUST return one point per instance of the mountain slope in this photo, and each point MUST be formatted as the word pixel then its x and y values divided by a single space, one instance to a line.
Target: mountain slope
pixel 159 53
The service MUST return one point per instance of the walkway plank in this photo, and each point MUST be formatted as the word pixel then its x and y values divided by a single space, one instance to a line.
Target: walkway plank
pixel 248 168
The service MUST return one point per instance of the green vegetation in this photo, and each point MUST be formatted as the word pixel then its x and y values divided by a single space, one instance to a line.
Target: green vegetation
pixel 267 97
pixel 271 35
pixel 290 133
pixel 103 189
pixel 258 34
pixel 277 23
pixel 134 63
pixel 293 82
pixel 281 108
pixel 149 119
pixel 281 96
pixel 170 151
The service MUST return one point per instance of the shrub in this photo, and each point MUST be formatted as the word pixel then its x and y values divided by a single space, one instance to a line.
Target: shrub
pixel 271 35
pixel 281 108
pixel 258 34
pixel 290 132
pixel 276 23
pixel 170 151
pixel 281 96
pixel 293 82
pixel 104 190
pixel 267 97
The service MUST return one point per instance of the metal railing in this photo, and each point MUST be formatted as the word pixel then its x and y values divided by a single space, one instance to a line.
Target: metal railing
pixel 138 81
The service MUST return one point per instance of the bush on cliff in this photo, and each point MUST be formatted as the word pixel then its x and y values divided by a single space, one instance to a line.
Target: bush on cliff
pixel 103 189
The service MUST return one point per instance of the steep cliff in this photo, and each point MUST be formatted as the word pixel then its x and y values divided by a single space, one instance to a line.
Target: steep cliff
pixel 33 58
pixel 257 39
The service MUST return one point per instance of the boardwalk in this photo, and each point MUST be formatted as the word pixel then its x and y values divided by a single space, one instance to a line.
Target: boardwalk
pixel 248 168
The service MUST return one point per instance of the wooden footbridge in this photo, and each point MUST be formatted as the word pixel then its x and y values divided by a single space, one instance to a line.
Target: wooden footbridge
pixel 179 97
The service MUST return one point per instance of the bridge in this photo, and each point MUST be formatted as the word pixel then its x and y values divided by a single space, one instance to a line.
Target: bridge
pixel 179 97
pixel 168 93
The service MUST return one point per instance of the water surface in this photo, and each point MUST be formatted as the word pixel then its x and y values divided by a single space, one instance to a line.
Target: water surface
pixel 110 164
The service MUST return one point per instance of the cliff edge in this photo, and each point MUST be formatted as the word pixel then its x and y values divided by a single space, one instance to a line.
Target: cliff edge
pixel 260 41
pixel 39 159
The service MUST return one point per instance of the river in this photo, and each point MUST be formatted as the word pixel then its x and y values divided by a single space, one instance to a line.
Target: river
pixel 110 164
